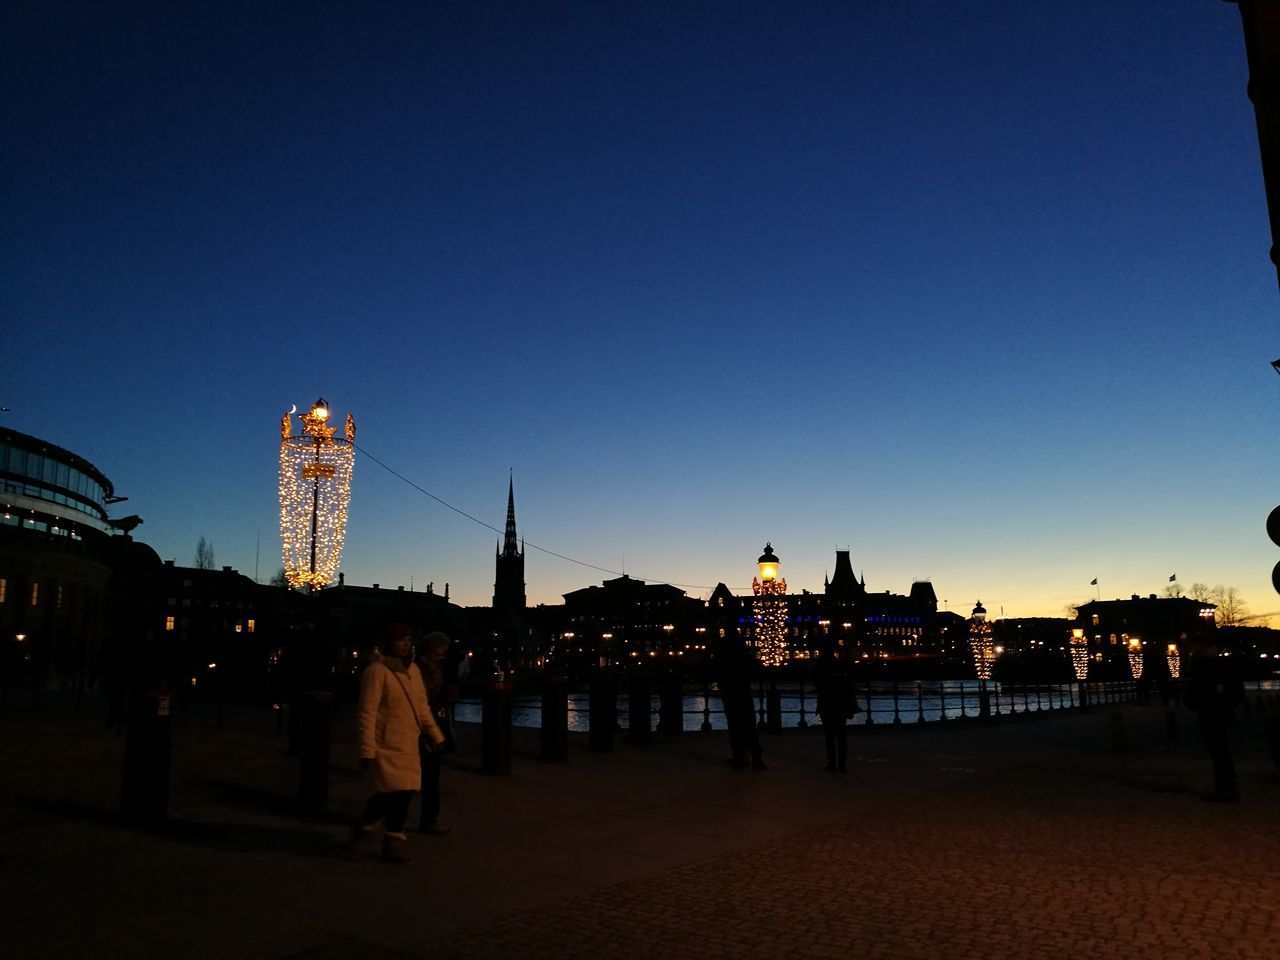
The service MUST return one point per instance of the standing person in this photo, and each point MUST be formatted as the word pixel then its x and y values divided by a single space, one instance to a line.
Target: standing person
pixel 1214 690
pixel 737 668
pixel 431 662
pixel 394 716
pixel 836 705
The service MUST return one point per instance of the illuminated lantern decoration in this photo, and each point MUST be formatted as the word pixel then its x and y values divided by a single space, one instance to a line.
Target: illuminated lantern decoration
pixel 1175 662
pixel 1080 654
pixel 315 487
pixel 1135 658
pixel 981 643
pixel 770 610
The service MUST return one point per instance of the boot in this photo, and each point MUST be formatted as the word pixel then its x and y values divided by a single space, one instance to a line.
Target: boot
pixel 358 839
pixel 393 851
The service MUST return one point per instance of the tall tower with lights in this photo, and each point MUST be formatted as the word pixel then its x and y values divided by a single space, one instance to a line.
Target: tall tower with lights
pixel 508 579
pixel 315 488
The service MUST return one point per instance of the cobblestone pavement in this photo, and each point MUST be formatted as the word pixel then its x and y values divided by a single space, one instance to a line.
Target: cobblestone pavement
pixel 1026 838
pixel 992 870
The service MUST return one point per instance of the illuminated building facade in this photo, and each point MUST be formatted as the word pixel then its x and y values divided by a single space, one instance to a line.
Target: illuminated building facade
pixel 56 557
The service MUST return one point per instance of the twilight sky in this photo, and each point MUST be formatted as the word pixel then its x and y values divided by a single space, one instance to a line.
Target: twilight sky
pixel 977 290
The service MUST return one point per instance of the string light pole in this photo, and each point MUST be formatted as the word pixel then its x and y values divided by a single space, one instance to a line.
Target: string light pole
pixel 771 627
pixel 1080 661
pixel 984 655
pixel 1135 658
pixel 315 489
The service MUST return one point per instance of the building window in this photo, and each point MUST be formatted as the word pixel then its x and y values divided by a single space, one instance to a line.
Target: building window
pixel 35 593
pixel 238 626
pixel 1113 639
pixel 249 625
pixel 4 589
pixel 1095 619
pixel 168 624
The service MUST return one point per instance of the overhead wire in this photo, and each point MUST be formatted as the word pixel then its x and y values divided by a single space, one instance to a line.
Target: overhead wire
pixel 541 549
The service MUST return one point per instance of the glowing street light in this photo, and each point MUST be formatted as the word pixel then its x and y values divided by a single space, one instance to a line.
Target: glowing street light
pixel 770 610
pixel 1079 654
pixel 315 488
pixel 1135 658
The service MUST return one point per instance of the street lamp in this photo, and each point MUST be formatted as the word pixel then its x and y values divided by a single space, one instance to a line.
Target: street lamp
pixel 770 610
pixel 1135 658
pixel 984 654
pixel 315 488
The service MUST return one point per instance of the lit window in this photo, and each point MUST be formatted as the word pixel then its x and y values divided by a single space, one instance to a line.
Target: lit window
pixel 1095 619
pixel 249 625
pixel 1113 639
pixel 238 626
pixel 4 589
pixel 168 623
pixel 35 593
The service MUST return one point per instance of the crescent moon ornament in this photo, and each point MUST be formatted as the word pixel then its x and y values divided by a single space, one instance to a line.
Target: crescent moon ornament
pixel 293 408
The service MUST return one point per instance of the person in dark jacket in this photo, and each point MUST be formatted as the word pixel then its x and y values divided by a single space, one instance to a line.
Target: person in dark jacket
pixel 836 705
pixel 1214 690
pixel 431 660
pixel 737 667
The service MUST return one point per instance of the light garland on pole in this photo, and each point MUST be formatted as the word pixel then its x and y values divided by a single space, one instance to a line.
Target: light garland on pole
pixel 770 611
pixel 1175 661
pixel 315 489
pixel 981 643
pixel 1080 654
pixel 1135 658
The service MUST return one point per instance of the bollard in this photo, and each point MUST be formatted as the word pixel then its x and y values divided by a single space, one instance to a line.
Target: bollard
pixel 671 707
pixel 602 711
pixel 1171 724
pixel 495 728
pixel 773 708
pixel 1119 740
pixel 1271 733
pixel 144 794
pixel 984 703
pixel 638 708
pixel 315 711
pixel 555 719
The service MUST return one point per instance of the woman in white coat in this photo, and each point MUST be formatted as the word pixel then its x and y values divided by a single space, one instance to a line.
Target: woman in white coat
pixel 394 714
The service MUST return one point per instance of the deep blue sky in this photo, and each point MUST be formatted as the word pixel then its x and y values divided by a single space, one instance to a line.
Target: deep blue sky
pixel 978 290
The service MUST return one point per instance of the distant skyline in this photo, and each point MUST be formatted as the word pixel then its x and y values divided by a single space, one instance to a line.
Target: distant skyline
pixel 978 292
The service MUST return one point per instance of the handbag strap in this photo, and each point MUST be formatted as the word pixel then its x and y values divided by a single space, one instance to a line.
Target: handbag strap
pixel 412 707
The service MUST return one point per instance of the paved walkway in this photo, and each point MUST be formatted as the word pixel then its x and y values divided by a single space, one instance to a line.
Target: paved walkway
pixel 1026 838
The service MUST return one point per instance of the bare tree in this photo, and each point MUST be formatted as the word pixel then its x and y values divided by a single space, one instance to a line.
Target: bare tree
pixel 1232 610
pixel 204 555
pixel 1201 592
pixel 280 579
pixel 1173 589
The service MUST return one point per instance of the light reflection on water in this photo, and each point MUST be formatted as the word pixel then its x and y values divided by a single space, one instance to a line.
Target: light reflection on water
pixel 915 704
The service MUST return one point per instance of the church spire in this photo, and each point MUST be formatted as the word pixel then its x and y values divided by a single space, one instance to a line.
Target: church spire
pixel 509 542
pixel 508 581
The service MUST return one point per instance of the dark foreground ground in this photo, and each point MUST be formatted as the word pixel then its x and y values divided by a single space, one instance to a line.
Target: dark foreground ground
pixel 1029 838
